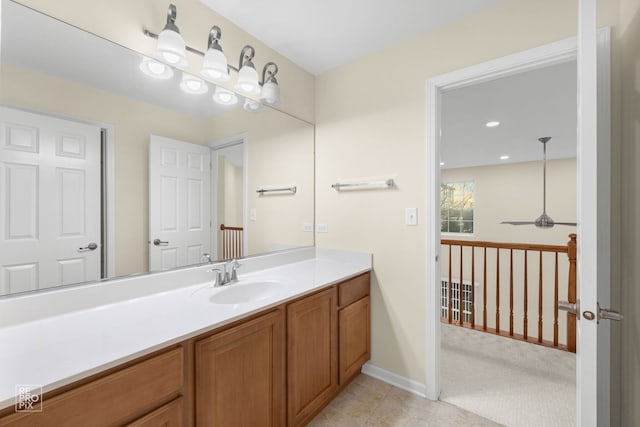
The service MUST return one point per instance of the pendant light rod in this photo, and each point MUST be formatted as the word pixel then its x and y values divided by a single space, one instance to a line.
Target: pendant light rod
pixel 544 141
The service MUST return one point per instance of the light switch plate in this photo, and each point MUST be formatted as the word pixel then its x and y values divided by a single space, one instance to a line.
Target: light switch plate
pixel 252 215
pixel 307 227
pixel 411 216
pixel 322 228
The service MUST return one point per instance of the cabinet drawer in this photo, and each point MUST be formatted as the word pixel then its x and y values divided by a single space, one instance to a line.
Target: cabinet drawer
pixel 353 289
pixel 169 415
pixel 111 400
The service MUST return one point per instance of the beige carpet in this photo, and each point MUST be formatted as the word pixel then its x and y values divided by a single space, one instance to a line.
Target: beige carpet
pixel 511 382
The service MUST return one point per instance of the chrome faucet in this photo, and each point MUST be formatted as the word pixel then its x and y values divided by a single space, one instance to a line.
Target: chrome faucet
pixel 224 277
pixel 206 258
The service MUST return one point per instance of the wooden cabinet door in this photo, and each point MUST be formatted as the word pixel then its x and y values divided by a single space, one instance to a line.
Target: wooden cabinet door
pixel 355 338
pixel 240 375
pixel 169 415
pixel 312 355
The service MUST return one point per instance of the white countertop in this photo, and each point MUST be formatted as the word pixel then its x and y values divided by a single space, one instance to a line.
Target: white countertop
pixel 59 349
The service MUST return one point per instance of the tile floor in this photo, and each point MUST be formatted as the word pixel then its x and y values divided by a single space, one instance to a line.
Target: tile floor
pixel 370 402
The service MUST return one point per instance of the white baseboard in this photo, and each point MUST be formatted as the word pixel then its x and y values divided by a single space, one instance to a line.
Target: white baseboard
pixel 394 379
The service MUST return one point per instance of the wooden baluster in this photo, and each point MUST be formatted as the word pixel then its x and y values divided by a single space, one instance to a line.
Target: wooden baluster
pixel 555 306
pixel 525 326
pixel 572 252
pixel 450 308
pixel 484 291
pixel 497 290
pixel 473 287
pixel 540 298
pixel 511 292
pixel 461 294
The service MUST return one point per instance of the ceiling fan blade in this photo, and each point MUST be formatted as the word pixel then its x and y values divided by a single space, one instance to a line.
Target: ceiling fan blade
pixel 518 222
pixel 574 224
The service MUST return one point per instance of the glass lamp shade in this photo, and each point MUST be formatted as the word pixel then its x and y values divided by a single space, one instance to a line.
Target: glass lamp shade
pixel 224 96
pixel 248 81
pixel 270 93
pixel 171 48
pixel 193 85
pixel 214 66
pixel 252 106
pixel 155 69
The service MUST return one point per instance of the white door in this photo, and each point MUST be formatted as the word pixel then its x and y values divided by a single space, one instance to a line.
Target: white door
pixel 593 337
pixel 179 203
pixel 49 201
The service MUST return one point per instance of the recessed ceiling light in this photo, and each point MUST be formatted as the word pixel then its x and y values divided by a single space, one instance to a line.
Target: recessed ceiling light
pixel 441 163
pixel 504 157
pixel 492 124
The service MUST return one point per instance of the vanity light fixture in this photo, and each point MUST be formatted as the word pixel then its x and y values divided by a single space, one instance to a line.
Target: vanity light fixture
pixel 224 96
pixel 215 64
pixel 156 69
pixel 171 47
pixel 193 85
pixel 270 89
pixel 252 106
pixel 247 76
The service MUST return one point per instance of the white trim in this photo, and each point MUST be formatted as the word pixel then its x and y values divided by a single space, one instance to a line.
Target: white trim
pixel 238 139
pixel 394 379
pixel 527 60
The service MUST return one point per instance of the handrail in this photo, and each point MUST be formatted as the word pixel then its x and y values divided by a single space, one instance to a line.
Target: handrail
pixel 462 300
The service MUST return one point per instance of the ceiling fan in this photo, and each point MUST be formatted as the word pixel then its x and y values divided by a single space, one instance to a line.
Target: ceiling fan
pixel 544 220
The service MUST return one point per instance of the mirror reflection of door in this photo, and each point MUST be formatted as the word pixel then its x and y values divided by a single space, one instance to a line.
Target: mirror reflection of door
pixel 179 203
pixel 50 195
pixel 229 182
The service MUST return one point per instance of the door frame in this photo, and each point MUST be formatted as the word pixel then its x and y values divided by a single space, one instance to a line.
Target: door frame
pixel 239 139
pixel 549 54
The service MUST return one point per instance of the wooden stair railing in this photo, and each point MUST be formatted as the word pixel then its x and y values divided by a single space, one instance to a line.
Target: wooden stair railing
pixel 231 241
pixel 570 249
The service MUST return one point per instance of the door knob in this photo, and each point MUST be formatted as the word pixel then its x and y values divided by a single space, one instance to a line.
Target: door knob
pixel 605 313
pixel 570 307
pixel 159 242
pixel 90 247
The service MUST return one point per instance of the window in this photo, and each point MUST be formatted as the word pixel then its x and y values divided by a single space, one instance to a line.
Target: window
pixel 456 207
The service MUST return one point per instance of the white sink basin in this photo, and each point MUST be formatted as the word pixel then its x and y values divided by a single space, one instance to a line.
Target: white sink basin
pixel 243 292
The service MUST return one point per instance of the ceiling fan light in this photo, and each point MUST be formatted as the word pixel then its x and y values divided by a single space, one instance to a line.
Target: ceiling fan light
pixel 224 96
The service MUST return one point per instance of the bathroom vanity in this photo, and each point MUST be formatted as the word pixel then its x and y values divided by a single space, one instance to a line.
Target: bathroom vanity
pixel 271 359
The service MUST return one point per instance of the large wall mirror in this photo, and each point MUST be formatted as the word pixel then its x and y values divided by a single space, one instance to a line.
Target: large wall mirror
pixel 106 171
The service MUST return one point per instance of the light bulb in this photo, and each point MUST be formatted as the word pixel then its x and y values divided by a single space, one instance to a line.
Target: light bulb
pixel 193 85
pixel 156 69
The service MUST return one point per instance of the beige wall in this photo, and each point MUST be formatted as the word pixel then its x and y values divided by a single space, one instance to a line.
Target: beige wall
pixel 122 21
pixel 514 192
pixel 371 122
pixel 280 154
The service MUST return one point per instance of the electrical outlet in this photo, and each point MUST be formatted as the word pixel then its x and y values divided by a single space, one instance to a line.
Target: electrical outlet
pixel 411 216
pixel 322 228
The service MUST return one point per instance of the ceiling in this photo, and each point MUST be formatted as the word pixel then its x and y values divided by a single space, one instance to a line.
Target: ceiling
pixel 528 105
pixel 321 35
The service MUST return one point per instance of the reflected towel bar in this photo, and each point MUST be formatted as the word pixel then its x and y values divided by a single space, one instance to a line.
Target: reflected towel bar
pixel 387 183
pixel 261 191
